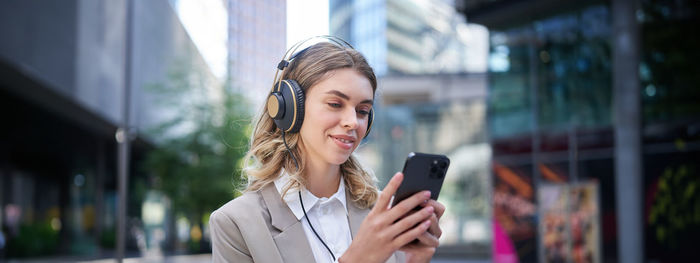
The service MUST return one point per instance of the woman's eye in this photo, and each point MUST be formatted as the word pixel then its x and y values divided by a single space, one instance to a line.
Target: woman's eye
pixel 363 112
pixel 334 105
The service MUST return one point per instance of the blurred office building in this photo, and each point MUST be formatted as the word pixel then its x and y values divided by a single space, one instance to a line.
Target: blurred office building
pixel 432 98
pixel 409 37
pixel 256 43
pixel 445 114
pixel 594 127
pixel 64 68
pixel 579 143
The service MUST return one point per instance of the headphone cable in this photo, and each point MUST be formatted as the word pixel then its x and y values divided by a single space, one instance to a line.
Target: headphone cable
pixel 302 201
pixel 312 227
pixel 284 139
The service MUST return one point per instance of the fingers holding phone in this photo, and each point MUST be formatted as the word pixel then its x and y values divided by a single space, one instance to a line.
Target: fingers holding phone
pixel 434 232
pixel 424 172
pixel 384 230
pixel 412 214
pixel 398 217
pixel 439 209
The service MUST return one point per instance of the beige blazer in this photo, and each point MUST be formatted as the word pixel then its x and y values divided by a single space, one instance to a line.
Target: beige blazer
pixel 259 227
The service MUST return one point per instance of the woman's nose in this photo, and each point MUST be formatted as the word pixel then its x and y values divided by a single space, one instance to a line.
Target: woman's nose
pixel 350 120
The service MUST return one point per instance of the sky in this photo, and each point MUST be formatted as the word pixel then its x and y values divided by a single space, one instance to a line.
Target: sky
pixel 206 23
pixel 306 18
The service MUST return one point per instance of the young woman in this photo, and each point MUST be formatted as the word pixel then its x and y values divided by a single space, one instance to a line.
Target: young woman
pixel 308 199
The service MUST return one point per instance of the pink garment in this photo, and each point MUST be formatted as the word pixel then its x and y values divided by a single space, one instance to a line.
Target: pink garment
pixel 502 249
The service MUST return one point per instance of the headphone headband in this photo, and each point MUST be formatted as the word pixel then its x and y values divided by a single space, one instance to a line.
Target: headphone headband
pixel 292 53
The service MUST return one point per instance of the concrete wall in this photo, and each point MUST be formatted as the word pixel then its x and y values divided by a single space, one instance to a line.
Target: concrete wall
pixel 100 56
pixel 77 48
pixel 40 37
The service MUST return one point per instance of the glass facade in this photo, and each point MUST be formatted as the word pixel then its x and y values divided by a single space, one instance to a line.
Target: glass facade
pixel 669 80
pixel 558 68
pixel 409 37
pixel 550 111
pixel 668 72
pixel 550 118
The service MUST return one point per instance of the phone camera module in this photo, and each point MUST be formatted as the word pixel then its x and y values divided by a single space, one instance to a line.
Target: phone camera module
pixel 438 168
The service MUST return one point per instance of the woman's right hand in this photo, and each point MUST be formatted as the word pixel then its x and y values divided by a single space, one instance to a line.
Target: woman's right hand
pixel 386 229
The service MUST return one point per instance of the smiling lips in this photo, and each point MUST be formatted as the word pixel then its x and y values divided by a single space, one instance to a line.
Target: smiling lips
pixel 343 141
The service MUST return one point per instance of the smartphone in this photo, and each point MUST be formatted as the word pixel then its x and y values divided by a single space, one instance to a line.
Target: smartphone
pixel 421 172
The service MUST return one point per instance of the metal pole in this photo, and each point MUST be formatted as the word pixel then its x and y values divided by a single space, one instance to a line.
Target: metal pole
pixel 627 113
pixel 536 141
pixel 122 137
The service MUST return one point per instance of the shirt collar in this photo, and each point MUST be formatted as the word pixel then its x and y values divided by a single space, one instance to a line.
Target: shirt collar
pixel 310 200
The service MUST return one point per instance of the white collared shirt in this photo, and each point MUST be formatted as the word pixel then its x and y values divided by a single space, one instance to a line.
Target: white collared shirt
pixel 329 217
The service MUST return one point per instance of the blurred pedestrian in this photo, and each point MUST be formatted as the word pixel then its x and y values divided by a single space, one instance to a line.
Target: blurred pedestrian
pixel 308 198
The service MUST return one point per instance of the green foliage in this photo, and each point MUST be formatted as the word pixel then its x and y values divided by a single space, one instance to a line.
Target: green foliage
pixel 33 240
pixel 198 150
pixel 197 170
pixel 674 217
pixel 108 238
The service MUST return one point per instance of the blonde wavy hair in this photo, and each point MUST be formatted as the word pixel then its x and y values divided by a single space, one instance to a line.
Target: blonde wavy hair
pixel 268 156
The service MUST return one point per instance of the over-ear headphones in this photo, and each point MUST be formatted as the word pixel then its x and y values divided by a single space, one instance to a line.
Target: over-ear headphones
pixel 285 104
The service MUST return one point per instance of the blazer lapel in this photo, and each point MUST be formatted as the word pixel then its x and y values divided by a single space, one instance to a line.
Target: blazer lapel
pixel 291 240
pixel 355 214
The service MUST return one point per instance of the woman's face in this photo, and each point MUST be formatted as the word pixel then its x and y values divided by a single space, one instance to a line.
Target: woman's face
pixel 336 116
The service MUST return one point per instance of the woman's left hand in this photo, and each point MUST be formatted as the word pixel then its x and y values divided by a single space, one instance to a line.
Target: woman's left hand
pixel 423 250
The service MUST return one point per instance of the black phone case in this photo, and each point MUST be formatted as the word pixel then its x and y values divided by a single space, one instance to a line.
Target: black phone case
pixel 421 172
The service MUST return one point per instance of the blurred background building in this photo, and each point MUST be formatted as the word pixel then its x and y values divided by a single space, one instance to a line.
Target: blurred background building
pixel 561 111
pixel 64 68
pixel 573 126
pixel 63 81
pixel 432 68
pixel 410 37
pixel 256 40
pixel 561 122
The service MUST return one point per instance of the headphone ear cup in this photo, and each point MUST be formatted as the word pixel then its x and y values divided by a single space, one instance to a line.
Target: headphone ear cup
pixel 300 99
pixel 292 114
pixel 370 120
